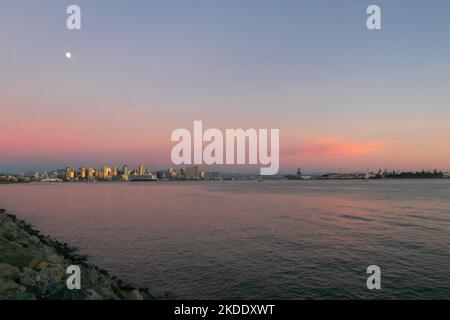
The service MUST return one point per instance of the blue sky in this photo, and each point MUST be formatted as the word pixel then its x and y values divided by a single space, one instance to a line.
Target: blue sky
pixel 310 68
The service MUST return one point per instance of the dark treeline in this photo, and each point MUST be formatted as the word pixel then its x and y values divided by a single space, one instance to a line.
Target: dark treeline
pixel 409 175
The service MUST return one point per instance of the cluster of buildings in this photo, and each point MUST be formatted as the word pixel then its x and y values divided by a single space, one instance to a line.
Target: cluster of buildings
pixel 114 173
pixel 6 178
pixel 126 174
pixel 432 174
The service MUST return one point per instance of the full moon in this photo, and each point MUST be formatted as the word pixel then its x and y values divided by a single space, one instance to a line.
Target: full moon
pixel 68 55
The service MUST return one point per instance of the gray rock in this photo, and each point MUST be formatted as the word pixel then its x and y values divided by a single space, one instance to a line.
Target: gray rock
pixel 8 231
pixel 34 240
pixel 136 295
pixel 93 295
pixel 54 258
pixel 8 272
pixel 10 287
pixel 33 269
pixel 16 255
pixel 26 280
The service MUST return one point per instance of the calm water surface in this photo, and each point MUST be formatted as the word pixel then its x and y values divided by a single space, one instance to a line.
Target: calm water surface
pixel 258 240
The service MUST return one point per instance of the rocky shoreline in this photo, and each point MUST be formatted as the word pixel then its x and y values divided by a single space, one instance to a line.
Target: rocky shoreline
pixel 33 267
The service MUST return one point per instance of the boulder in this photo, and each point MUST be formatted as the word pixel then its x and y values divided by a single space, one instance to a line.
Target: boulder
pixel 42 265
pixel 8 230
pixel 8 272
pixel 136 295
pixel 16 255
pixel 27 280
pixel 8 288
pixel 93 295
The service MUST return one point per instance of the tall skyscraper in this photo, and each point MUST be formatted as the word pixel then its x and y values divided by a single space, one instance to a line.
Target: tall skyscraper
pixel 172 174
pixel 70 174
pixel 141 170
pixel 125 173
pixel 192 173
pixel 91 174
pixel 106 173
pixel 68 170
pixel 83 172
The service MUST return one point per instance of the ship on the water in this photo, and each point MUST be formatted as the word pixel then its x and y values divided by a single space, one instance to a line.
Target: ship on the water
pixel 298 176
pixel 143 178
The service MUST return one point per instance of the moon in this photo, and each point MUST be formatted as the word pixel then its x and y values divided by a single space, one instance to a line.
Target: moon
pixel 68 55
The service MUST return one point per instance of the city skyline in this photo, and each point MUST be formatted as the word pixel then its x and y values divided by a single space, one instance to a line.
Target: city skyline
pixel 344 98
pixel 117 170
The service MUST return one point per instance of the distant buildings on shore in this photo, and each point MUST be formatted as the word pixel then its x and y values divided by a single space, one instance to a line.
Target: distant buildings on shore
pixel 114 173
pixel 125 174
pixel 374 175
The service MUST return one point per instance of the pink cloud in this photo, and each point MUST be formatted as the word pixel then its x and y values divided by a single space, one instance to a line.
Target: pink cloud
pixel 335 146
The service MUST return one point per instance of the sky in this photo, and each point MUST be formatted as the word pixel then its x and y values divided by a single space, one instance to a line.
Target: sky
pixel 342 96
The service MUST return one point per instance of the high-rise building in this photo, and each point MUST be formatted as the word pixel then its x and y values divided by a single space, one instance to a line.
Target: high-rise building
pixel 141 170
pixel 91 174
pixel 125 173
pixel 83 173
pixel 172 174
pixel 68 172
pixel 192 173
pixel 106 173
pixel 114 171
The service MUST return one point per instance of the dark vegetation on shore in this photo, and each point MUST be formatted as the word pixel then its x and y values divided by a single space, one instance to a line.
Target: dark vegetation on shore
pixel 410 175
pixel 33 266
